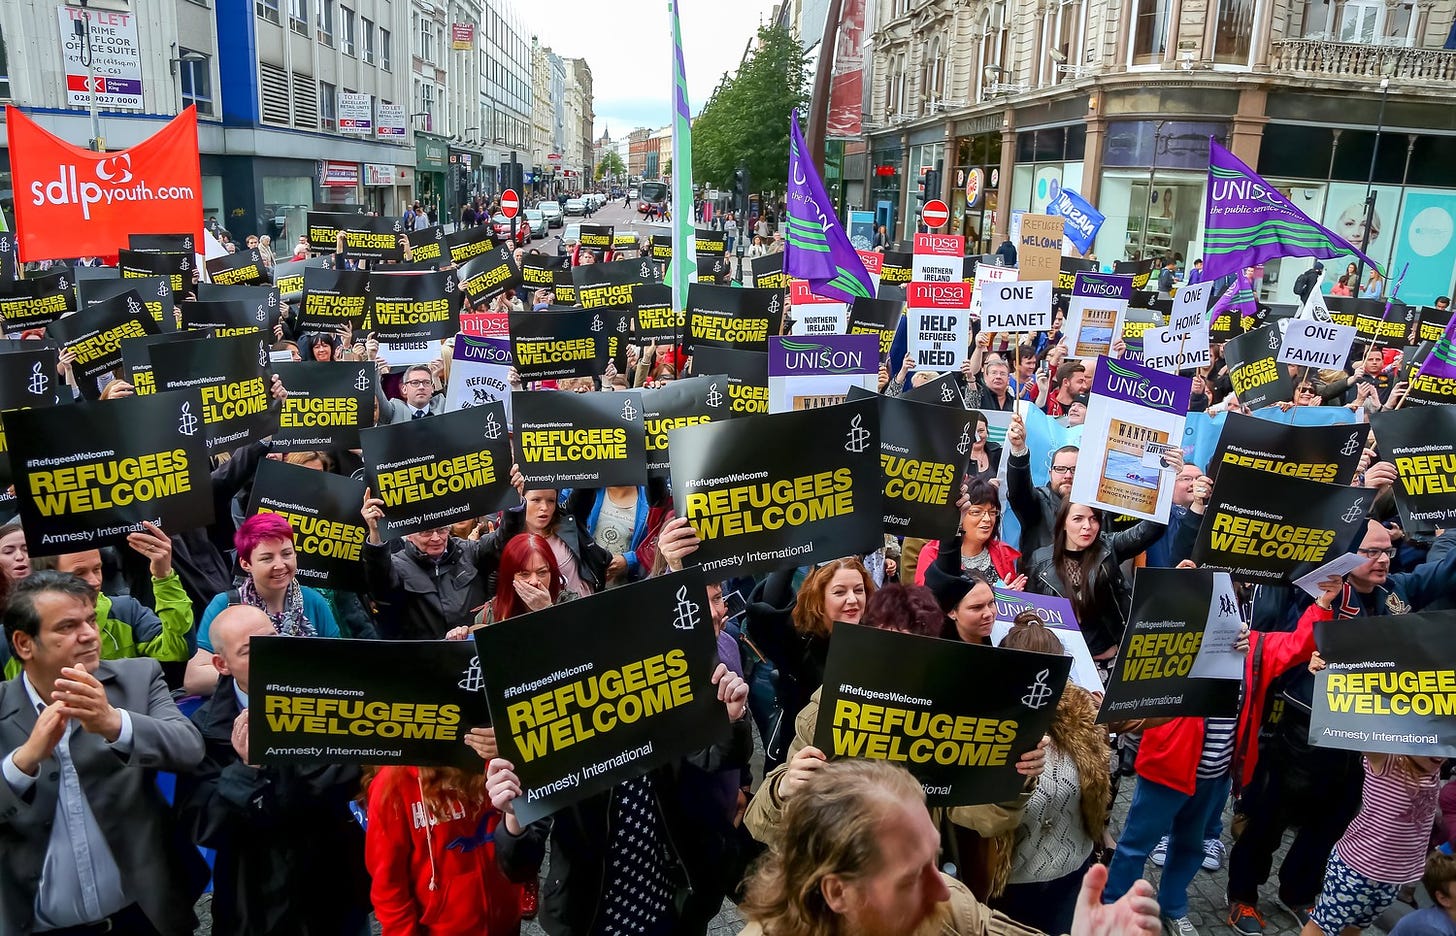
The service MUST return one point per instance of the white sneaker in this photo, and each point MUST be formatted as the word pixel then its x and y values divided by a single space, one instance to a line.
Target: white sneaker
pixel 1160 852
pixel 1213 854
pixel 1179 926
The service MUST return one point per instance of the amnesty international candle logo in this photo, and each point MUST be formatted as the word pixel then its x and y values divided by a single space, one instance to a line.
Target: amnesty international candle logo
pixel 323 509
pixel 963 446
pixel 1354 512
pixel 492 427
pixel 471 680
pixel 947 393
pixel 186 422
pixel 326 406
pixel 957 716
pixel 858 438
pixel 596 323
pixel 579 439
pixel 39 383
pixel 1352 445
pixel 714 398
pixel 578 710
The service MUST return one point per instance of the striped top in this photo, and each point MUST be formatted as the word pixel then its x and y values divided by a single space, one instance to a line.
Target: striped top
pixel 1387 840
pixel 1218 747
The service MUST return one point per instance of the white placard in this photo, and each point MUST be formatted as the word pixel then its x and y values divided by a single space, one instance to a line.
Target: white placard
pixel 1337 567
pixel 985 275
pixel 932 268
pixel 116 58
pixel 1314 307
pixel 356 113
pixel 1217 658
pixel 938 332
pixel 1171 351
pixel 820 318
pixel 413 352
pixel 1017 307
pixel 1190 307
pixel 1311 343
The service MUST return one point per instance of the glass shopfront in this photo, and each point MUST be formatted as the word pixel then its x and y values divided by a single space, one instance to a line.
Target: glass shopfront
pixel 975 196
pixel 886 185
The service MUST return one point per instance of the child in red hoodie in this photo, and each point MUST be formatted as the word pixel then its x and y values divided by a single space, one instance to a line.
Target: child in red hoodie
pixel 430 851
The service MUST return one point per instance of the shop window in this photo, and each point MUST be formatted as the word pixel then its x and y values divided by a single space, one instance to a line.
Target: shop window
pixel 1232 29
pixel 1431 161
pixel 1076 142
pixel 1149 31
pixel 1050 145
pixel 1352 157
pixel 1296 152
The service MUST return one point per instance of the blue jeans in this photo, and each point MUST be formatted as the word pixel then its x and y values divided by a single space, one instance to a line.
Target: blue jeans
pixel 1157 811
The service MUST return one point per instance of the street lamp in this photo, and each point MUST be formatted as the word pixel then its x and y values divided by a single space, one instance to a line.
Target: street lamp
pixel 82 30
pixel 1386 70
pixel 1152 175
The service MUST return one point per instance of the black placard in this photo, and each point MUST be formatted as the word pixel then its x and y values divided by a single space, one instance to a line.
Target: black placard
pixel 731 317
pixel 264 308
pixel 608 285
pixel 161 243
pixel 538 271
pixel 654 319
pixel 579 440
pixel 759 507
pixel 28 380
pixel 692 401
pixel 897 268
pixel 1389 325
pixel 333 300
pixel 95 335
pixel 323 509
pixel 404 702
pixel 946 390
pixel 923 453
pixel 1258 377
pixel 1157 672
pixel 876 317
pixel 90 479
pixel 1269 528
pixel 1387 688
pixel 1432 323
pixel 9 264
pixel 661 248
pixel 468 243
pixel 365 237
pixel 432 472
pixel 648 682
pixel 553 345
pixel 489 274
pixel 155 293
pixel 747 376
pixel 712 268
pixel 179 268
pixel 136 357
pixel 222 317
pixel 427 245
pixel 767 272
pixel 288 276
pixel 564 287
pixel 328 403
pixel 243 268
pixel 232 375
pixel 956 715
pixel 1316 453
pixel 597 238
pixel 412 307
pixel 1422 444
pixel 36 301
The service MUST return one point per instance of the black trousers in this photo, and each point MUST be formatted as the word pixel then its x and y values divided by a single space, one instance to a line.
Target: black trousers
pixel 1319 792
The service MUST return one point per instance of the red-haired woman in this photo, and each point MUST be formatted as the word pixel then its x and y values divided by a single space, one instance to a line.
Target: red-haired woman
pixel 265 551
pixel 528 579
pixel 430 851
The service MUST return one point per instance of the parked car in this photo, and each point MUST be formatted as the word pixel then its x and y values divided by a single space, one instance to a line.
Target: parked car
pixel 553 213
pixel 537 219
pixel 576 207
pixel 501 227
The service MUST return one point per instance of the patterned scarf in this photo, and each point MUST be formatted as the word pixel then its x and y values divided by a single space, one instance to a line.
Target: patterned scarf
pixel 289 622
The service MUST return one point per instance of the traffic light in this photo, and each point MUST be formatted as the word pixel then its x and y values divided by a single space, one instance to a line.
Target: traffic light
pixel 929 188
pixel 740 190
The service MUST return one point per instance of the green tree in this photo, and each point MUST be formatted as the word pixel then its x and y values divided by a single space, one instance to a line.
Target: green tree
pixel 746 119
pixel 611 165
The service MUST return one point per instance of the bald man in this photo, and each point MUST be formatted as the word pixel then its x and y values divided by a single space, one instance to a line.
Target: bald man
pixel 290 856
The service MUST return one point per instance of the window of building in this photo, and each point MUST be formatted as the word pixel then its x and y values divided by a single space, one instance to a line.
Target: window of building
pixel 1233 27
pixel 426 103
pixel 1149 32
pixel 346 30
pixel 427 40
pixel 195 79
pixel 4 69
pixel 328 106
pixel 326 22
pixel 367 34
pixel 267 9
pixel 1360 20
pixel 298 16
pixel 384 62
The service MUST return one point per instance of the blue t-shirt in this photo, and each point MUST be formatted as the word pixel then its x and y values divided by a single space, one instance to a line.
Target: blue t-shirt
pixel 315 608
pixel 1432 921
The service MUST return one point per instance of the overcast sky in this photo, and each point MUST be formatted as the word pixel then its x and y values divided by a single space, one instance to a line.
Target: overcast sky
pixel 628 44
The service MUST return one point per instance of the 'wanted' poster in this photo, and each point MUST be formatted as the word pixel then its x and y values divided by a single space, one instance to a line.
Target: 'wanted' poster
pixel 758 508
pixel 323 509
pixel 579 440
pixel 1095 313
pixel 432 472
pixel 958 716
pixel 1177 657
pixel 578 708
pixel 1135 413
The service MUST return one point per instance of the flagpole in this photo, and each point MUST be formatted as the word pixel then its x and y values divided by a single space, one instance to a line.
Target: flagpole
pixel 819 101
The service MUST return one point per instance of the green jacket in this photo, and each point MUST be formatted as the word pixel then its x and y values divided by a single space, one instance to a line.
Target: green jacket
pixel 131 629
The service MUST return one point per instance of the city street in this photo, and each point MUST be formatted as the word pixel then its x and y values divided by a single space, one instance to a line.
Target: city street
pixel 611 213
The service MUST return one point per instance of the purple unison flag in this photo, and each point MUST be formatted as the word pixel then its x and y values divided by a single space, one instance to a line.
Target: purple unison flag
pixel 1441 362
pixel 1238 298
pixel 1248 221
pixel 815 245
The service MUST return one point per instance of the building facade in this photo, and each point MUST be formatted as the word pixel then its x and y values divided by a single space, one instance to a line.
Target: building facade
pixel 1117 99
pixel 579 143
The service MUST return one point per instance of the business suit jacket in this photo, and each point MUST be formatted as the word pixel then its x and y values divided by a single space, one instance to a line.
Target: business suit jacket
pixel 393 410
pixel 160 868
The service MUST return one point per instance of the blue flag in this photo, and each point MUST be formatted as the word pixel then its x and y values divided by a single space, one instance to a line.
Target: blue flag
pixel 1083 221
pixel 815 245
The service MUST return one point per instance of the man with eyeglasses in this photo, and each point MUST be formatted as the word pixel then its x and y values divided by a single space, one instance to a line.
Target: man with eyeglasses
pixel 1295 783
pixel 1036 507
pixel 420 399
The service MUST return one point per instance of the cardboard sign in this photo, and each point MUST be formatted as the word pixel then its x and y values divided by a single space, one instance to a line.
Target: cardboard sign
pixel 35 302
pixel 328 403
pixel 1039 247
pixel 693 401
pixel 1388 688
pixel 28 380
pixel 598 238
pixel 479 374
pixel 938 325
pixel 1174 352
pixel 154 291
pixel 90 479
pixel 1177 657
pixel 223 318
pixel 767 272
pixel 1316 453
pixel 949 389
pixel 538 271
pixel 987 274
pixel 323 509
pixel 1190 307
pixel 809 373
pixel 409 307
pixel 136 358
pixel 1433 323
pixel 288 276
pixel 1254 369
pixel 579 708
pixel 243 268
pixel 95 335
pixel 958 716
pixel 1422 444
pixel 1269 528
pixel 898 268
pixel 733 318
pixel 1095 314
pixel 1320 345
pixel 662 247
pixel 162 243
pixel 1017 307
pixel 606 285
pixel 403 702
pixel 433 472
pixel 1131 407
pixel 488 275
pixel 179 268
pixel 815 315
pixel 1390 325
pixel 923 453
pixel 747 373
pixel 426 246
pixel 333 300
pixel 937 258
pixel 579 440
pixel 709 241
pixel 232 376
pixel 552 345
pixel 759 507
